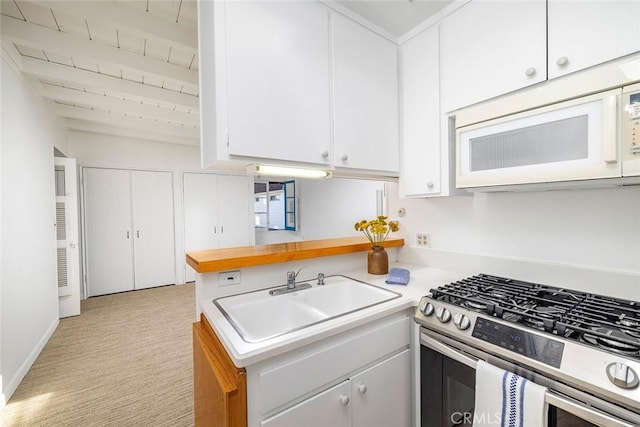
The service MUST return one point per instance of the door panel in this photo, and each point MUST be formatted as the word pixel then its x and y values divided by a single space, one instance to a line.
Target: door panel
pixel 382 394
pixel 68 236
pixel 153 228
pixel 233 211
pixel 109 252
pixel 277 57
pixel 324 409
pixel 200 214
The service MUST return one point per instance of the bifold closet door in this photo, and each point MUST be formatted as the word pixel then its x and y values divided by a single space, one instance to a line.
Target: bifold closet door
pixel 153 228
pixel 107 215
pixel 200 214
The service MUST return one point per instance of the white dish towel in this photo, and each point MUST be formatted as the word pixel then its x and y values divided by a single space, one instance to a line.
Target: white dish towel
pixel 507 400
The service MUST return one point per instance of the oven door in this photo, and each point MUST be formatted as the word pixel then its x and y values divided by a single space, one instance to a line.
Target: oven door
pixel 447 386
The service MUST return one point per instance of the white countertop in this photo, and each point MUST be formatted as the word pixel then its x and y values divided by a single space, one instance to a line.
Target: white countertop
pixel 244 354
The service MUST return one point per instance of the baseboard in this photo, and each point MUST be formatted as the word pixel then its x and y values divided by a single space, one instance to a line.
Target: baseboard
pixel 19 376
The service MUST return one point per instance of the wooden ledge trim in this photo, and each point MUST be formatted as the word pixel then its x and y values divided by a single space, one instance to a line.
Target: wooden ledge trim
pixel 206 261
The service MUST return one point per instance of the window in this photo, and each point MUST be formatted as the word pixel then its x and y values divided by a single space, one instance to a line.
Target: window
pixel 275 205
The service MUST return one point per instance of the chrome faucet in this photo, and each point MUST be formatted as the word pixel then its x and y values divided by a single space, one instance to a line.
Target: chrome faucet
pixel 320 279
pixel 291 284
pixel 291 278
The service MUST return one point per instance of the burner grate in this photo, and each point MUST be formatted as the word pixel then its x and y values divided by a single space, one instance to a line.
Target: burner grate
pixel 597 320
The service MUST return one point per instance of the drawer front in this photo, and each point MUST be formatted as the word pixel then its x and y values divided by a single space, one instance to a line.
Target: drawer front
pixel 338 359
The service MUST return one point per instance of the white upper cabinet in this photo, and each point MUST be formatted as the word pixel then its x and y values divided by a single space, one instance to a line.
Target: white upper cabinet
pixel 491 48
pixel 277 69
pixel 586 33
pixel 420 107
pixel 294 82
pixel 365 109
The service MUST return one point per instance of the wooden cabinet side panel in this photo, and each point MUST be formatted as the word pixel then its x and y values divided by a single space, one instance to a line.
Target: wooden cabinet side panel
pixel 220 388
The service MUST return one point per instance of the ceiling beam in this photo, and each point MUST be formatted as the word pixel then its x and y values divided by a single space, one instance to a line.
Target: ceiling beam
pixel 102 82
pixel 94 127
pixel 114 120
pixel 42 38
pixel 135 21
pixel 103 102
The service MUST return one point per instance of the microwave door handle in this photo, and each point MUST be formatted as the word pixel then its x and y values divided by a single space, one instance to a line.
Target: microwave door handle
pixel 610 129
pixel 584 412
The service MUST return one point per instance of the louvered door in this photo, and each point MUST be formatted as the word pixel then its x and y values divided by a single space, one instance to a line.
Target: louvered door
pixel 67 235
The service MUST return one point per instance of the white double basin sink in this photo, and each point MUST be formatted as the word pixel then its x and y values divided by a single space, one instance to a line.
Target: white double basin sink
pixel 258 316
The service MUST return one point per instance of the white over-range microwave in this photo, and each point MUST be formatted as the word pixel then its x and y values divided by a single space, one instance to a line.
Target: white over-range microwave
pixel 591 140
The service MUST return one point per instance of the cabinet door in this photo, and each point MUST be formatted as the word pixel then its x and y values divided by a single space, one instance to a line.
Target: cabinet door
pixel 277 56
pixel 382 394
pixel 233 211
pixel 586 33
pixel 329 408
pixel 107 216
pixel 153 228
pixel 420 100
pixel 489 48
pixel 219 387
pixel 200 201
pixel 365 80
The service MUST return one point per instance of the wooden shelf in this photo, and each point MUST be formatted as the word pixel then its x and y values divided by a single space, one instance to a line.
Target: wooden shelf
pixel 206 261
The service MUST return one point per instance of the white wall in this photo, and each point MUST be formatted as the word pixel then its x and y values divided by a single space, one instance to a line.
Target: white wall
pixel 328 208
pixel 596 228
pixel 29 304
pixel 96 150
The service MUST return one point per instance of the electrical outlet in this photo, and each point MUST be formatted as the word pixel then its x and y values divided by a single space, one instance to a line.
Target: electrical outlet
pixel 229 278
pixel 423 240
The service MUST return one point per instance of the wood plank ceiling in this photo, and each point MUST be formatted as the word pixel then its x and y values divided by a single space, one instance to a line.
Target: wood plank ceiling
pixel 127 68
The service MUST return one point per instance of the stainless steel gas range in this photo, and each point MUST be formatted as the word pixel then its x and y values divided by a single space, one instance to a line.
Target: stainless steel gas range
pixel 584 348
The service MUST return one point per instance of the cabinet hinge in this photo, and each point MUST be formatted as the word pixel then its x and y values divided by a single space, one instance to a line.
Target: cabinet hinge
pixel 227 134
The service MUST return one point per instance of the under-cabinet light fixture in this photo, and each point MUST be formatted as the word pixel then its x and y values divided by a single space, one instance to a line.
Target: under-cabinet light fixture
pixel 286 171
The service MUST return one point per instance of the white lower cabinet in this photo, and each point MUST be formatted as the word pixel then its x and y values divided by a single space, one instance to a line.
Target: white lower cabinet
pixel 378 396
pixel 362 377
pixel 381 395
pixel 329 408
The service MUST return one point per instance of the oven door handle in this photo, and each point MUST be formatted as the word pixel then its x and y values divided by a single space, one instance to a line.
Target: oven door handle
pixel 450 352
pixel 584 412
pixel 573 407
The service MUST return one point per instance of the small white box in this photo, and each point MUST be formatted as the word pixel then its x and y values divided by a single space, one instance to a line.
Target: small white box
pixel 226 278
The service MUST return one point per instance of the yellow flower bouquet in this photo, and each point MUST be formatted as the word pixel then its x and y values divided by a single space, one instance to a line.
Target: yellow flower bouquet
pixel 377 230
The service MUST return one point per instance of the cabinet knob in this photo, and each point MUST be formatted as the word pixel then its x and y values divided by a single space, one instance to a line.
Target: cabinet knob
pixel 325 154
pixel 429 185
pixel 530 72
pixel 362 388
pixel 344 399
pixel 562 61
pixel 344 157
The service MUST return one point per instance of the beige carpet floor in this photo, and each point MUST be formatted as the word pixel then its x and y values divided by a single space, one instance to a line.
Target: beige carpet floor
pixel 125 361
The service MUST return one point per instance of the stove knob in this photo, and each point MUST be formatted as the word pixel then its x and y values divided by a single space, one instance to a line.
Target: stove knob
pixel 443 314
pixel 426 308
pixel 461 321
pixel 622 375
